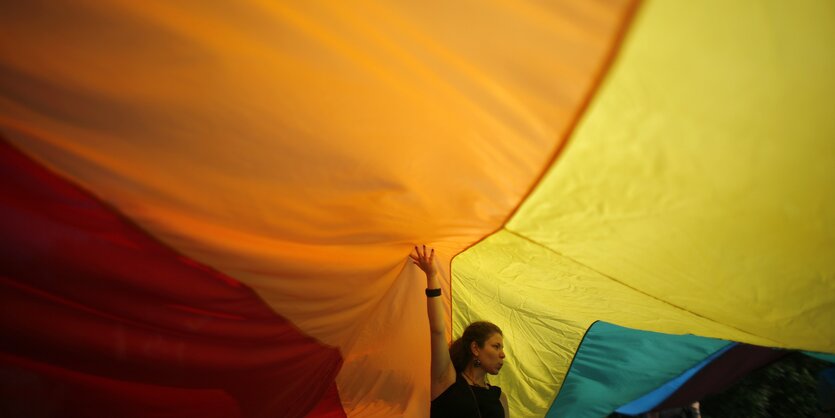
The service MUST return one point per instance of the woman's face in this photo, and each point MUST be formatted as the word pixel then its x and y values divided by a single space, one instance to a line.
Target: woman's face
pixel 492 354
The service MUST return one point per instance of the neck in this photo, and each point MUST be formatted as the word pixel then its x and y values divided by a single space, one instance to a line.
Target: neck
pixel 475 375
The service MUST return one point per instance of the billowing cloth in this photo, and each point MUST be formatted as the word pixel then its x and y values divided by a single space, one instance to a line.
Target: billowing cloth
pixel 301 149
pixel 287 157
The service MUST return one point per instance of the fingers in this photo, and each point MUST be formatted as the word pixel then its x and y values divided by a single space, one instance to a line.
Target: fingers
pixel 420 251
pixel 421 254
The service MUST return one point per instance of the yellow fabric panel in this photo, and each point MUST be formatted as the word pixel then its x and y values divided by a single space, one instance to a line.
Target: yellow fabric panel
pixel 302 148
pixel 696 196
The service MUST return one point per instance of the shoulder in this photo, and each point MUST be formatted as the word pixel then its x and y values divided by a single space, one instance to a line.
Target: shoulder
pixel 503 400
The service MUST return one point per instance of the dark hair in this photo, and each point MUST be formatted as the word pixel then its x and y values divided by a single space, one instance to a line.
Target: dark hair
pixel 459 350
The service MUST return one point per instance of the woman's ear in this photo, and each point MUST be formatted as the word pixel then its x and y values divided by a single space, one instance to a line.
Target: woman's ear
pixel 474 348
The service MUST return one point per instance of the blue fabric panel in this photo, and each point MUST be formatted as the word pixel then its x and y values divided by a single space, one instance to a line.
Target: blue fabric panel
pixel 823 356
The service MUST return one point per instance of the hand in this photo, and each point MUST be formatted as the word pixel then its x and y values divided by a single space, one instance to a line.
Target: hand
pixel 424 260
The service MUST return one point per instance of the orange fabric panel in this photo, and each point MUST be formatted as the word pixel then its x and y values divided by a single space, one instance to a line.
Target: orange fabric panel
pixel 302 148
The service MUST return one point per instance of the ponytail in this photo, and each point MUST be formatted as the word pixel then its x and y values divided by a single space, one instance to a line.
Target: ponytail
pixel 458 355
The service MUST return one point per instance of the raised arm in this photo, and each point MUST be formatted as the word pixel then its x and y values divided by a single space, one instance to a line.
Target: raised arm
pixel 442 372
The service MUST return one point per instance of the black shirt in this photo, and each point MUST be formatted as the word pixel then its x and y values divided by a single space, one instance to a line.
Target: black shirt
pixel 459 401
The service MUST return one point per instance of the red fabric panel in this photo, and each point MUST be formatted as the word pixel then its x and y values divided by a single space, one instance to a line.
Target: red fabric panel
pixel 330 406
pixel 99 319
pixel 33 389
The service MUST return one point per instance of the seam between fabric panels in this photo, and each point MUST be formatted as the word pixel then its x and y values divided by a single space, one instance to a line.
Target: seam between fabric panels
pixel 520 236
pixel 124 218
pixel 614 49
pixel 568 371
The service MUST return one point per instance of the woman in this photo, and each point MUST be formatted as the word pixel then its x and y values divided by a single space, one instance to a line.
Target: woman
pixel 459 387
